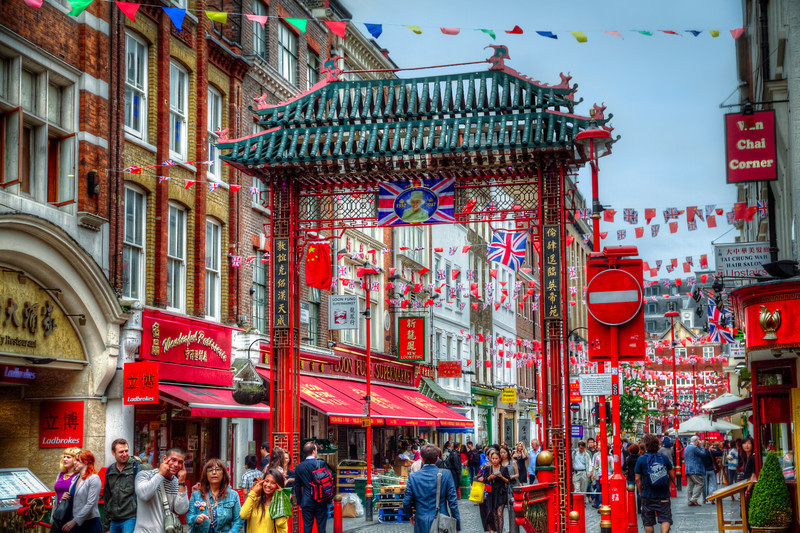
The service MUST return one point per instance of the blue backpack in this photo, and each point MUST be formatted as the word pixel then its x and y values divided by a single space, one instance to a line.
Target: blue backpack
pixel 657 473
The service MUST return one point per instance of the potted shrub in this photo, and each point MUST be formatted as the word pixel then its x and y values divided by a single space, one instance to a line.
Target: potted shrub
pixel 770 508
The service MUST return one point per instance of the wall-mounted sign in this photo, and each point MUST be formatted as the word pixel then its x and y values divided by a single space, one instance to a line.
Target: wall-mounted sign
pixel 574 390
pixel 282 295
pixel 32 323
pixel 576 431
pixel 411 338
pixel 597 384
pixel 140 383
pixel 508 396
pixel 61 424
pixel 169 338
pixel 551 261
pixel 17 374
pixel 449 369
pixel 342 311
pixel 305 313
pixel 750 146
pixel 742 260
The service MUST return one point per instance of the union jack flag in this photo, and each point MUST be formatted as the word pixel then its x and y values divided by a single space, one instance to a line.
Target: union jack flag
pixel 714 314
pixel 658 264
pixel 163 178
pixel 212 186
pixel 585 214
pixel 236 261
pixel 670 213
pixel 452 250
pixel 654 230
pixel 670 268
pixel 719 334
pixel 621 234
pixel 690 260
pixel 508 248
pixel 666 283
pixel 168 163
pixel 573 291
pixel 763 208
pixel 573 272
pixel 692 225
pixel 586 238
pixel 470 275
pixel 441 274
pixel 631 216
pixel 730 217
pixel 254 190
pixel 376 286
pixel 710 209
pixel 342 271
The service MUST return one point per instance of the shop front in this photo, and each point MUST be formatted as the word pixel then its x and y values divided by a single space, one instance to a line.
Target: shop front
pixel 333 405
pixel 59 342
pixel 484 402
pixel 194 409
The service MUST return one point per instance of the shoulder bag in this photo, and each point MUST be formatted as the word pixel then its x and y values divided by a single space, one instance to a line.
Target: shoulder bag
pixel 442 523
pixel 172 523
pixel 63 511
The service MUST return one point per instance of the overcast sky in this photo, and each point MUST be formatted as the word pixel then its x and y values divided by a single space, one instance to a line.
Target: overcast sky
pixel 664 91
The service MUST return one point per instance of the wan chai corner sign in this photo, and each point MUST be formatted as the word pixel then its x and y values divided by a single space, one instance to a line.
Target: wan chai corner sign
pixel 750 146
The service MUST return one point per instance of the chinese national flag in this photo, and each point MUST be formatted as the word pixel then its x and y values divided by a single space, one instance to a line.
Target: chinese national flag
pixel 318 265
pixel 712 221
pixel 639 232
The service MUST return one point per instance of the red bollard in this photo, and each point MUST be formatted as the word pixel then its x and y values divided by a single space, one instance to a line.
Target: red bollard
pixel 673 491
pixel 337 514
pixel 618 502
pixel 573 522
pixel 633 520
pixel 579 506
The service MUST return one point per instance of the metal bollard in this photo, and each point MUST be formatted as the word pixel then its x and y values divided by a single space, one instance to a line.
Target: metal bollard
pixel 618 497
pixel 579 506
pixel 605 519
pixel 368 504
pixel 633 522
pixel 337 514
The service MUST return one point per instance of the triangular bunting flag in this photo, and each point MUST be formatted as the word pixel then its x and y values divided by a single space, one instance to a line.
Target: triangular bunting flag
pixel 415 29
pixel 261 19
pixel 451 31
pixel 516 31
pixel 614 33
pixel 129 8
pixel 490 33
pixel 374 29
pixel 548 34
pixel 300 24
pixel 714 33
pixel 337 27
pixel 738 32
pixel 218 16
pixel 579 36
pixel 33 3
pixel 78 6
pixel 176 15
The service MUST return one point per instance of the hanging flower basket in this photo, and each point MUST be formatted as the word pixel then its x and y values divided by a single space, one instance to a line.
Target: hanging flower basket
pixel 248 388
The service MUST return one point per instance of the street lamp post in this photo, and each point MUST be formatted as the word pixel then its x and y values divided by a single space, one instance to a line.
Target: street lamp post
pixel 671 315
pixel 364 272
pixel 594 143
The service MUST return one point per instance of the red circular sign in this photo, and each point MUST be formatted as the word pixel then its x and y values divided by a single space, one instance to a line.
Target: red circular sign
pixel 614 297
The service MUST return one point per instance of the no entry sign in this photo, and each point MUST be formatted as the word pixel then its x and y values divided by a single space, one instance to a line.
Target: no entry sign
pixel 614 297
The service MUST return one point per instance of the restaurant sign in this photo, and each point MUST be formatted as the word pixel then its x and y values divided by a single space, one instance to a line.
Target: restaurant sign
pixel 411 338
pixel 61 424
pixel 449 369
pixel 16 374
pixel 171 338
pixel 750 146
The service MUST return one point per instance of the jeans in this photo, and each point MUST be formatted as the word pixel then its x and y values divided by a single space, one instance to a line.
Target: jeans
pixel 318 511
pixel 122 526
pixel 710 485
pixel 694 487
pixel 473 472
pixel 731 475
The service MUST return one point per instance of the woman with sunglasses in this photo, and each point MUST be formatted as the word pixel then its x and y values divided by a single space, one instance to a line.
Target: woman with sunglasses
pixel 214 507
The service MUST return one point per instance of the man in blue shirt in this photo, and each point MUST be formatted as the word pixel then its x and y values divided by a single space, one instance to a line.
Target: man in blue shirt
pixel 419 500
pixel 651 469
pixel 695 471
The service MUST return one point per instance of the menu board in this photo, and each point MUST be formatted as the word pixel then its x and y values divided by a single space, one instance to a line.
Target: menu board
pixel 16 481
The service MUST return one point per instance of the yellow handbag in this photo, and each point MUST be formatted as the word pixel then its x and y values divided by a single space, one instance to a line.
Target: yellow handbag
pixel 476 492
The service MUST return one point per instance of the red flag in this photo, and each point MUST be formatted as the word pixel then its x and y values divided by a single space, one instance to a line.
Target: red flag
pixel 679 281
pixel 690 212
pixel 465 249
pixel 719 211
pixel 129 8
pixel 603 234
pixel 336 27
pixel 739 210
pixel 673 227
pixel 392 271
pixel 751 212
pixel 456 273
pixel 570 240
pixel 704 261
pixel 475 306
pixel 318 265
pixel 516 31
pixel 496 307
pixel 508 364
pixel 493 272
pixel 423 271
pixel 649 214
pixel 673 262
pixel 639 232
pixel 608 215
pixel 235 188
pixel 703 278
pixel 438 250
pixel 712 221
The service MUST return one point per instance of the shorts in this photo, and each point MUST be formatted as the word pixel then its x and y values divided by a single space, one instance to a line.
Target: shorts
pixel 656 511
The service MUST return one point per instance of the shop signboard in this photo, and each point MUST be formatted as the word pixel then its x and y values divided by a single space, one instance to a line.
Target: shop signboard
pixel 574 390
pixel 551 258
pixel 18 375
pixel 61 424
pixel 595 384
pixel 576 431
pixel 750 146
pixel 342 311
pixel 742 259
pixel 508 396
pixel 140 383
pixel 305 313
pixel 449 369
pixel 169 338
pixel 411 338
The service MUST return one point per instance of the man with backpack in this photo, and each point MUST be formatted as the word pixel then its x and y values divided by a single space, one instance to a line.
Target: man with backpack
pixel 654 473
pixel 313 489
pixel 473 460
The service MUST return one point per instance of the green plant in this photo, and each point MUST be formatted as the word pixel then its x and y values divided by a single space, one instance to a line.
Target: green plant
pixel 633 404
pixel 770 505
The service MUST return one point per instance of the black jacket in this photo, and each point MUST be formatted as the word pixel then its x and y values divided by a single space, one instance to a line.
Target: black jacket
pixel 303 475
pixel 474 458
pixel 119 497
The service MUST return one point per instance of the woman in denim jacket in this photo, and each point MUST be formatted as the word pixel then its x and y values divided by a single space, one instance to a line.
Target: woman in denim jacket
pixel 214 507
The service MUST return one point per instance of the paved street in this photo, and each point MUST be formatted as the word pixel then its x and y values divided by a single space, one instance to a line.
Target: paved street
pixel 686 519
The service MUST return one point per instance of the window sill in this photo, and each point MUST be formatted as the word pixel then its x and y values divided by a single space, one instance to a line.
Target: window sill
pixel 140 143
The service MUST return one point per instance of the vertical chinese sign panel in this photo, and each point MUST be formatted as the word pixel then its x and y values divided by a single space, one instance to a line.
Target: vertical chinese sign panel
pixel 61 424
pixel 411 338
pixel 551 278
pixel 140 383
pixel 282 294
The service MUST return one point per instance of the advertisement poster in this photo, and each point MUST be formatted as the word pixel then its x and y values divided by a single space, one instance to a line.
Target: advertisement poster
pixel 405 203
pixel 411 338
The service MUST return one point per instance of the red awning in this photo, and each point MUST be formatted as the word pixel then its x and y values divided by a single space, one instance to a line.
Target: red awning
pixel 328 396
pixel 444 416
pixel 213 402
pixel 386 405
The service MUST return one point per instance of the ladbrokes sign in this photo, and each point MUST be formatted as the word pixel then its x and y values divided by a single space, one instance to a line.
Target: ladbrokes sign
pixel 750 146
